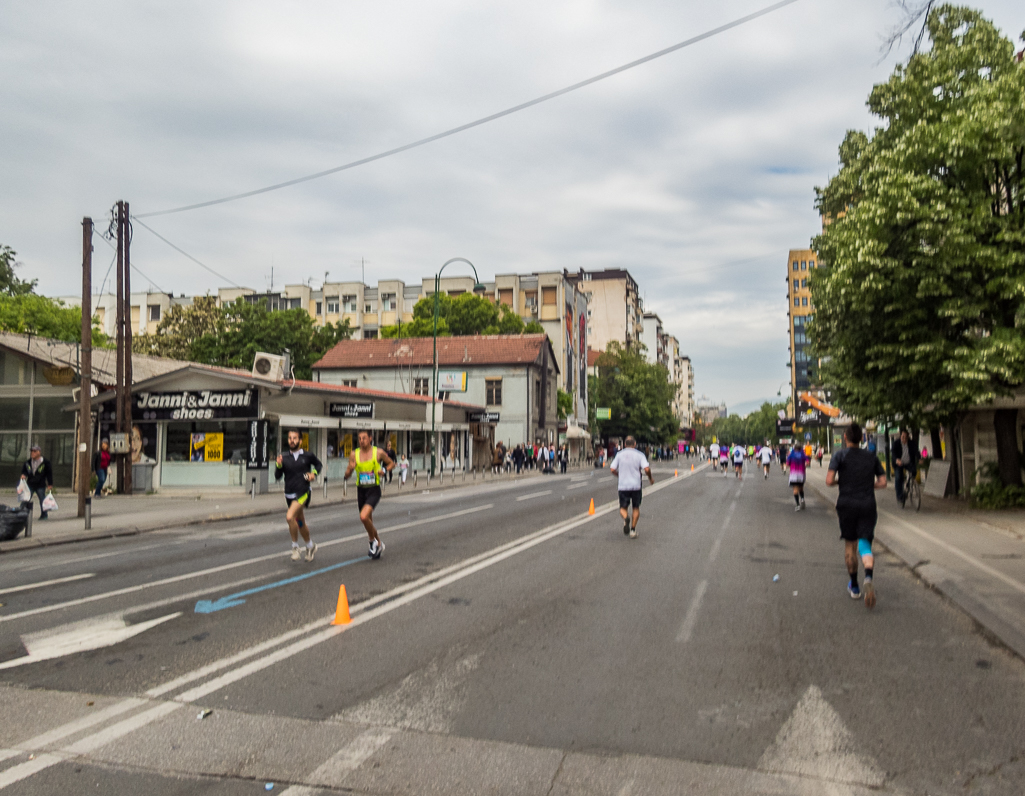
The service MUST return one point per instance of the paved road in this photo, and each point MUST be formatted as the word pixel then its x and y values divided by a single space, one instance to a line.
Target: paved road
pixel 506 643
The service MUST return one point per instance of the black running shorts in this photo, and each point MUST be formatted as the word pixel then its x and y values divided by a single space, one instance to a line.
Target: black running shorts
pixel 857 523
pixel 626 497
pixel 368 496
pixel 303 500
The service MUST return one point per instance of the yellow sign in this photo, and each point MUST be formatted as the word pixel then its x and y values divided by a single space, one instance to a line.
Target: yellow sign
pixel 347 445
pixel 214 447
pixel 305 442
pixel 393 441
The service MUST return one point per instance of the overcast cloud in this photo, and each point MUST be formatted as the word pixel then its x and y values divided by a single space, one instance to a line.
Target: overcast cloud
pixel 695 172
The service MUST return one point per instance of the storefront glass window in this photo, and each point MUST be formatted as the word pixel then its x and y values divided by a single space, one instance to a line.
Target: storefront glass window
pixel 14 414
pixel 48 414
pixel 13 453
pixel 209 441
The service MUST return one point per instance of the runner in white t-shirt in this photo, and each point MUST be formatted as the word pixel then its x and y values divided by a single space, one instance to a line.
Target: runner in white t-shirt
pixel 628 466
pixel 766 456
pixel 738 460
pixel 713 453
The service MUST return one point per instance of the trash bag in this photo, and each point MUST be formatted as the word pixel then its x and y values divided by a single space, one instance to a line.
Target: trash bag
pixel 49 502
pixel 12 522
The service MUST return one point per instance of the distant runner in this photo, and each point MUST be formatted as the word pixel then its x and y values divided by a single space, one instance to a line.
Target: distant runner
pixel 713 454
pixel 857 472
pixel 766 456
pixel 796 463
pixel 628 466
pixel 738 461
pixel 298 467
pixel 367 461
pixel 724 456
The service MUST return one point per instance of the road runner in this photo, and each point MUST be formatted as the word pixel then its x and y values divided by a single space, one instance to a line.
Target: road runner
pixel 299 468
pixel 369 462
pixel 628 466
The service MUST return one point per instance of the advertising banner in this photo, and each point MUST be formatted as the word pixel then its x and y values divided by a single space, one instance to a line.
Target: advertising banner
pixel 451 381
pixel 195 404
pixel 485 417
pixel 206 447
pixel 257 458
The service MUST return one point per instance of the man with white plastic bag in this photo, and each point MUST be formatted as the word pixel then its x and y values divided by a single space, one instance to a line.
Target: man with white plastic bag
pixel 37 477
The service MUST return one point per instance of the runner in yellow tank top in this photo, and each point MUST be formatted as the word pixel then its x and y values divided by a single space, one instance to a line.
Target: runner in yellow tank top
pixel 368 462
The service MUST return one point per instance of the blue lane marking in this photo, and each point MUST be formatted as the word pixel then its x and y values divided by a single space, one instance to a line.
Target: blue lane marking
pixel 231 600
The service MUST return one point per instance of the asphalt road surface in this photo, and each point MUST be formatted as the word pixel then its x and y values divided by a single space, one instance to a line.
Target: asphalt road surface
pixel 506 642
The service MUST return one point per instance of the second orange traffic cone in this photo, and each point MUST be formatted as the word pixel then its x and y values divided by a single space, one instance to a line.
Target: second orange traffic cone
pixel 590 510
pixel 676 473
pixel 342 611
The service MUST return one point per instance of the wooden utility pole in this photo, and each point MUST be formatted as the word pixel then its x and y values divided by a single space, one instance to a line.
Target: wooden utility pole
pixel 85 381
pixel 126 234
pixel 119 338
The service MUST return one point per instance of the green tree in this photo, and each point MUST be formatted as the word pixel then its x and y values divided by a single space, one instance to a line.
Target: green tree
pixel 465 314
pixel 638 394
pixel 46 317
pixel 180 328
pixel 565 400
pixel 921 309
pixel 10 285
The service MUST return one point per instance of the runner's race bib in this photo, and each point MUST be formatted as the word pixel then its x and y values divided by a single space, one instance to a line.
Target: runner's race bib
pixel 367 479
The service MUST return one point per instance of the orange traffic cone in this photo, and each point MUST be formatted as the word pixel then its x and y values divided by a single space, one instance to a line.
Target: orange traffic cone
pixel 590 510
pixel 342 611
pixel 676 473
pixel 692 468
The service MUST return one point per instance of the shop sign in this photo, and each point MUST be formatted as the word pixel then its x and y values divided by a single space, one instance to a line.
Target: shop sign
pixel 603 413
pixel 485 417
pixel 351 411
pixel 207 447
pixel 785 427
pixel 257 459
pixel 194 404
pixel 452 381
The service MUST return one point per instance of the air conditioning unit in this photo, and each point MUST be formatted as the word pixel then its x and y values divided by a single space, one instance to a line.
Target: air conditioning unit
pixel 270 366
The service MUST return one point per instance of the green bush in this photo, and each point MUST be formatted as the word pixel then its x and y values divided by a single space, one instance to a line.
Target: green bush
pixel 991 494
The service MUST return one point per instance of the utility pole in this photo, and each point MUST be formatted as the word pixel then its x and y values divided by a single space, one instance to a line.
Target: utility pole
pixel 85 381
pixel 119 383
pixel 126 232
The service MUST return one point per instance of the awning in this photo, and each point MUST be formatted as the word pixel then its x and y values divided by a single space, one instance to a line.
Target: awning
pixel 576 432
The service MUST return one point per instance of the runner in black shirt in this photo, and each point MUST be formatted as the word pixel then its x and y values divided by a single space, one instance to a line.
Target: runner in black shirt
pixel 858 474
pixel 299 468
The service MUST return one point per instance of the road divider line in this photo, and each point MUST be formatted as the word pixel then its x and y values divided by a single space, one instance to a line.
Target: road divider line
pixel 691 617
pixel 577 486
pixel 43 583
pixel 223 568
pixel 78 725
pixel 108 734
pixel 382 604
pixel 27 769
pixel 534 495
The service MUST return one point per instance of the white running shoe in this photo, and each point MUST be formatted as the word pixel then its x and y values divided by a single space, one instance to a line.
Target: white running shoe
pixel 633 533
pixel 380 549
pixel 797 507
pixel 372 553
pixel 311 552
pixel 295 553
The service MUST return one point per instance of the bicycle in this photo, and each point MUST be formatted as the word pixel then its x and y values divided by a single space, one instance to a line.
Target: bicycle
pixel 912 492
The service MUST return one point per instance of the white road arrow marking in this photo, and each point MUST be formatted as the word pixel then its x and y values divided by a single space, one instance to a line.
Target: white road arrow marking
pixel 91 634
pixel 815 743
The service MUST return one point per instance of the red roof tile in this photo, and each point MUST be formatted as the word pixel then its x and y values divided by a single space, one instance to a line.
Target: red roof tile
pixel 592 357
pixel 361 391
pixel 508 349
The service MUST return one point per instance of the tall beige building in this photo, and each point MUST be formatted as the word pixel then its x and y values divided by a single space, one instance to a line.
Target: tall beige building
pixel 615 310
pixel 800 264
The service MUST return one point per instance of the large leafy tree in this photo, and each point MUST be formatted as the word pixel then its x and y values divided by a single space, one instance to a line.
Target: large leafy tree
pixel 753 429
pixel 465 314
pixel 230 335
pixel 46 317
pixel 10 285
pixel 920 311
pixel 638 393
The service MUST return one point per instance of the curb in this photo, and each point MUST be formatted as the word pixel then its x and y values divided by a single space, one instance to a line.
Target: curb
pixel 947 585
pixel 34 542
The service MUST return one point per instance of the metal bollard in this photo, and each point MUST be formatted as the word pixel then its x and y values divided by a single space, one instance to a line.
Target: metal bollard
pixel 345 485
pixel 441 478
pixel 88 513
pixel 464 475
pixel 325 489
pixel 28 526
pixel 428 480
pixel 252 490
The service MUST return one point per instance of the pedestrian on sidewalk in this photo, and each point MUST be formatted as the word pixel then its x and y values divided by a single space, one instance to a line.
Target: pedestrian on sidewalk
pixel 858 473
pixel 563 459
pixel 627 466
pixel 517 456
pixel 394 457
pixel 403 469
pixel 797 461
pixel 298 468
pixel 101 465
pixel 38 476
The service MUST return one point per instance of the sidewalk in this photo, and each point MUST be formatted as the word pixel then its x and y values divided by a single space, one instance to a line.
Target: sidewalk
pixel 974 558
pixel 120 515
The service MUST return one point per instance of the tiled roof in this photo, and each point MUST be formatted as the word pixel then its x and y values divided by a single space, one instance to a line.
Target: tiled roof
pixel 360 391
pixel 592 357
pixel 506 349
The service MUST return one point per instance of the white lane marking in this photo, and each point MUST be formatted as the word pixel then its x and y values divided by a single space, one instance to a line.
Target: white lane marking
pixel 691 618
pixel 225 567
pixel 27 769
pixel 105 736
pixel 42 583
pixel 52 563
pixel 995 573
pixel 714 552
pixel 534 495
pixel 815 743
pixel 7 754
pixel 76 726
pixel 577 486
pixel 350 757
pixel 90 634
pixel 136 609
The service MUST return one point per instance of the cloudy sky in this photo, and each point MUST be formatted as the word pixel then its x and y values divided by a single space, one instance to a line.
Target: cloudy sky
pixel 695 171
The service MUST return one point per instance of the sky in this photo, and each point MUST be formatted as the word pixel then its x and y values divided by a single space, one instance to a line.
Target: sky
pixel 696 171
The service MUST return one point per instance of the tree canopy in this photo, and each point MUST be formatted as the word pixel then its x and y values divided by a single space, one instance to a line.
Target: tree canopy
pixel 10 285
pixel 754 429
pixel 465 314
pixel 920 310
pixel 230 335
pixel 638 393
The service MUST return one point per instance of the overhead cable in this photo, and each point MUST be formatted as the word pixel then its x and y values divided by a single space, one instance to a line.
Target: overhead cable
pixel 477 123
pixel 186 254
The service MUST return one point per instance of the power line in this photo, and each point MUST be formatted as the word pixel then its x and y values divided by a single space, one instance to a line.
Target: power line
pixel 185 253
pixel 484 120
pixel 133 266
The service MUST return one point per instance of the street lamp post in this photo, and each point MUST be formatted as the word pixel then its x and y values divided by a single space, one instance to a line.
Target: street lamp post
pixel 477 288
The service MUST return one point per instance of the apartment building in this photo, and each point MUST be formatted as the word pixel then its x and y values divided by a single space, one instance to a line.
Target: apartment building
pixel 615 310
pixel 800 264
pixel 655 341
pixel 147 309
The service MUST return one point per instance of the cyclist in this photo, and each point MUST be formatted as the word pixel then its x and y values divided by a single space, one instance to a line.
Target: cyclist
pixel 367 461
pixel 905 463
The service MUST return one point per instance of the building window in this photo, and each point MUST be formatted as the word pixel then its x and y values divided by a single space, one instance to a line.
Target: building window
pixel 804 283
pixel 421 386
pixel 348 304
pixel 371 334
pixel 797 301
pixel 348 382
pixel 320 308
pixel 505 296
pixel 154 312
pixel 548 296
pixel 811 263
pixel 493 392
pixel 366 308
pixel 795 265
pixel 804 302
pixel 797 283
pixel 332 305
pixel 388 302
pixel 804 265
pixel 537 395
